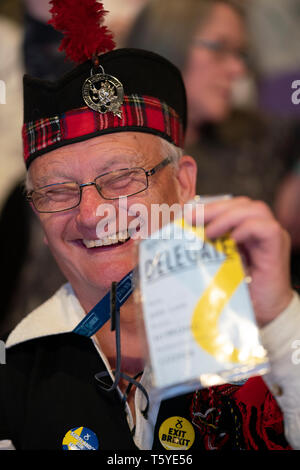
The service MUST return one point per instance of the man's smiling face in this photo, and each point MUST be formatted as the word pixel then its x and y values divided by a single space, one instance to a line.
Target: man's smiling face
pixel 71 234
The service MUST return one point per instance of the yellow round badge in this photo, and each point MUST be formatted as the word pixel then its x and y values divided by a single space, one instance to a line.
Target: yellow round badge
pixel 176 433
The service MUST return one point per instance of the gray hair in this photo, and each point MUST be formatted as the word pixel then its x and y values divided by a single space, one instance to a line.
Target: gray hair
pixel 28 186
pixel 170 150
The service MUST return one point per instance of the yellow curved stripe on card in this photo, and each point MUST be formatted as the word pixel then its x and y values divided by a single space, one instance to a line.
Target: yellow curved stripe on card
pixel 198 231
pixel 205 321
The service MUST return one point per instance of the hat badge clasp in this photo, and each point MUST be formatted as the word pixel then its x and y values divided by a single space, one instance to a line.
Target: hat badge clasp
pixel 103 93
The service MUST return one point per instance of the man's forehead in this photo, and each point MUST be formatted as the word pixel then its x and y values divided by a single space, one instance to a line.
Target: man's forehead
pixel 102 152
pixel 131 144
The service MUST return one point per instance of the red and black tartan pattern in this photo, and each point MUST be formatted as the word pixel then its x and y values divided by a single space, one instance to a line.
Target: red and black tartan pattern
pixel 40 134
pixel 243 417
pixel 139 113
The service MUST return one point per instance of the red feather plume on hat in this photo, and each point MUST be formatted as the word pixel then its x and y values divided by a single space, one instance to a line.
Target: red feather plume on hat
pixel 81 22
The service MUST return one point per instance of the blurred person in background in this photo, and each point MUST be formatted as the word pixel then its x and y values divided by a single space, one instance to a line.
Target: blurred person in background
pixel 289 197
pixel 11 72
pixel 41 42
pixel 207 39
pixel 121 16
pixel 287 209
pixel 274 26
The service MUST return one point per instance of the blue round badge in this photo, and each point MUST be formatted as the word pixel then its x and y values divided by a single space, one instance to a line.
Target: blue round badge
pixel 80 439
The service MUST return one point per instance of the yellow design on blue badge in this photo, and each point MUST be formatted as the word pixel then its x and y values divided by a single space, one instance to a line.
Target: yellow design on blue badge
pixel 80 438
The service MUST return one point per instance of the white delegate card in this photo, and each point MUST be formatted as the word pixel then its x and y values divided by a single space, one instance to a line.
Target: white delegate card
pixel 172 280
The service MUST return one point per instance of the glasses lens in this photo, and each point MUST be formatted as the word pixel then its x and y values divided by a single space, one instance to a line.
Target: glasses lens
pixel 222 49
pixel 56 197
pixel 122 183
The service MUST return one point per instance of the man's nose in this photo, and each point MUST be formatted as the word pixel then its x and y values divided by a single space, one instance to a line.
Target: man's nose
pixel 87 210
pixel 236 66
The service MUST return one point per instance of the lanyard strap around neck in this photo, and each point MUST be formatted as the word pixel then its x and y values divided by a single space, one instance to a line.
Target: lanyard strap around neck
pixel 100 314
pixel 96 318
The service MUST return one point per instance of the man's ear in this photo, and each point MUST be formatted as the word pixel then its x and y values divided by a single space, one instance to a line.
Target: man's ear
pixel 46 240
pixel 186 176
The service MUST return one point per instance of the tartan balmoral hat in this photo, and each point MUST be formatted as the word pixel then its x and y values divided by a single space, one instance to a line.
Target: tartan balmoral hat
pixel 128 90
pixel 114 91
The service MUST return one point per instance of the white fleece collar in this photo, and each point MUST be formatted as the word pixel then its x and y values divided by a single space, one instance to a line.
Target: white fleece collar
pixel 59 314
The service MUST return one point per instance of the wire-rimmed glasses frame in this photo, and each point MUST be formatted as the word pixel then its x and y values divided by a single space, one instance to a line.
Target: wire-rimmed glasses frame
pixel 32 195
pixel 223 49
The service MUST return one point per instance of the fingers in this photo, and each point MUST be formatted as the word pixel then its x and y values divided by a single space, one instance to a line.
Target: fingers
pixel 266 248
pixel 194 213
pixel 258 229
pixel 248 222
pixel 265 243
pixel 224 216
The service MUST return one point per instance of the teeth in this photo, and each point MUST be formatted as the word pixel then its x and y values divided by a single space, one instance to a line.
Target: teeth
pixel 119 237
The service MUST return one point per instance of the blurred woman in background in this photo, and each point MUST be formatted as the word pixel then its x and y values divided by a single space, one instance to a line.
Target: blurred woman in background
pixel 207 39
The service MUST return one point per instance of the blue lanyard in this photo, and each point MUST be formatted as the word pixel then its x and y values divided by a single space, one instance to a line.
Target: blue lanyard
pixel 100 314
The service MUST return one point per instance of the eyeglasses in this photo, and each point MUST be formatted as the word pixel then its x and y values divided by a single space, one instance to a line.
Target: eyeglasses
pixel 112 185
pixel 222 50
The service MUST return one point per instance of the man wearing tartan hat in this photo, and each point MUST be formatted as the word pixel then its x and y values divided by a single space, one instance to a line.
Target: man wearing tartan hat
pixel 113 127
